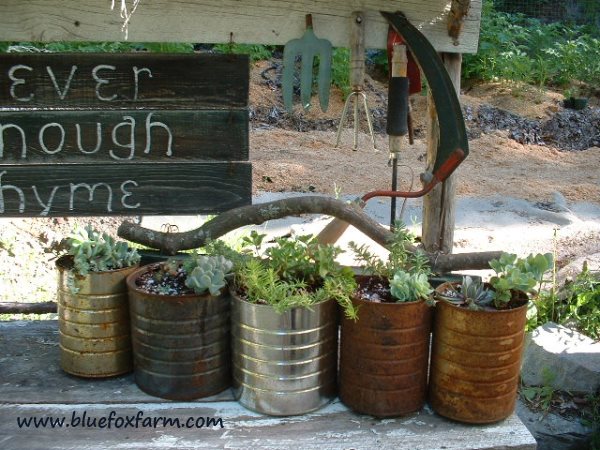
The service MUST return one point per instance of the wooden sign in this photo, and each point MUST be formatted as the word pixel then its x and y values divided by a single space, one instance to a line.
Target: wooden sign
pixel 118 134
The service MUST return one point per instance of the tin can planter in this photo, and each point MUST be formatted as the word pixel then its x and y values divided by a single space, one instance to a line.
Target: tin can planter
pixel 475 362
pixel 181 343
pixel 94 330
pixel 284 364
pixel 384 357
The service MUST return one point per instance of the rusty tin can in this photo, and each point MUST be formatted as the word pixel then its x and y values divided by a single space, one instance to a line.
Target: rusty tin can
pixel 94 331
pixel 284 364
pixel 475 362
pixel 384 358
pixel 181 344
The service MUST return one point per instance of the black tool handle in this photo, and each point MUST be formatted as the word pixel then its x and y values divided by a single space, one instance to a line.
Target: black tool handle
pixel 397 111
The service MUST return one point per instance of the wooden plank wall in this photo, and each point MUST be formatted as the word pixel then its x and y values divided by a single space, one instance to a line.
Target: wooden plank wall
pixel 215 21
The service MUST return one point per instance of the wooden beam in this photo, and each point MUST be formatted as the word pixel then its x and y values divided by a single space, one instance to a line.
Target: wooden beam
pixel 248 21
pixel 439 206
pixel 27 308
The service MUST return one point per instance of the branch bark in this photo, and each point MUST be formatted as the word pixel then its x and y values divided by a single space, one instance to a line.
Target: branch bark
pixel 27 308
pixel 171 243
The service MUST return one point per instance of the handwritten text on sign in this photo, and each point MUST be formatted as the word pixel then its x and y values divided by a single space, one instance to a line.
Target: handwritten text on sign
pixel 130 116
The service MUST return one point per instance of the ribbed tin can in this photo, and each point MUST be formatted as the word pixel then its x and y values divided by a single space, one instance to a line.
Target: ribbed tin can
pixel 94 331
pixel 181 344
pixel 384 358
pixel 475 362
pixel 284 364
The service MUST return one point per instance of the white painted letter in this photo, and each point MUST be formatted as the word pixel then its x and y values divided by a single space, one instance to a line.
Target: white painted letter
pixel 62 94
pixel 131 145
pixel 128 194
pixel 136 72
pixel 23 143
pixel 14 188
pixel 17 81
pixel 62 138
pixel 102 81
pixel 149 126
pixel 91 190
pixel 98 139
pixel 48 205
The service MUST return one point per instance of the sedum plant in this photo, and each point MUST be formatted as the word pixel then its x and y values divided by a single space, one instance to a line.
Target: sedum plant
pixel 294 272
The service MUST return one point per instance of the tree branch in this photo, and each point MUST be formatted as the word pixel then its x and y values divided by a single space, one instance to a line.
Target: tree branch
pixel 256 214
pixel 27 308
pixel 171 243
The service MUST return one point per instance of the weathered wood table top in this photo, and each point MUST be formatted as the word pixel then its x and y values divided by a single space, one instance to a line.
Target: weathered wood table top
pixel 33 387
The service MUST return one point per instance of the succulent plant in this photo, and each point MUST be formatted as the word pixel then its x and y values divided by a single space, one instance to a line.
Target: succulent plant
pixel 208 274
pixel 95 252
pixel 408 287
pixel 517 274
pixel 474 293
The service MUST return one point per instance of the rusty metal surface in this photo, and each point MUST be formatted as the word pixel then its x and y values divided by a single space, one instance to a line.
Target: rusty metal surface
pixel 181 343
pixel 384 358
pixel 284 364
pixel 94 323
pixel 475 363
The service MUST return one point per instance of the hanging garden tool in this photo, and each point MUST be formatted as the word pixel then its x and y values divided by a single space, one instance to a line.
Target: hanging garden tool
pixel 357 77
pixel 453 146
pixel 307 48
pixel 397 115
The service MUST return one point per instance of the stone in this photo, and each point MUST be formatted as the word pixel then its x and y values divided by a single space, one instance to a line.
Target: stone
pixel 562 358
pixel 553 432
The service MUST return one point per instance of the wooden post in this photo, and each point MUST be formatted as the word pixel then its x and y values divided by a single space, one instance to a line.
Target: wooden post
pixel 439 205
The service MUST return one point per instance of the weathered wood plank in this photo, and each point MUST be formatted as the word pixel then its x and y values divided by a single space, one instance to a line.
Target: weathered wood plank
pixel 132 80
pixel 50 137
pixel 125 189
pixel 332 428
pixel 250 21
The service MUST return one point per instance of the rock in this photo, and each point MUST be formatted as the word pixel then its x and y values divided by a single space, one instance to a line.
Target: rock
pixel 562 358
pixel 571 270
pixel 553 432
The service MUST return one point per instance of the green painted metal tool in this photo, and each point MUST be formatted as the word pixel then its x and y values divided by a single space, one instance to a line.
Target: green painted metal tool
pixel 307 48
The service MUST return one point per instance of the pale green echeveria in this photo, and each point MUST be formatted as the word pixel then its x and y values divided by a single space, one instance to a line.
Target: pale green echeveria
pixel 407 287
pixel 209 274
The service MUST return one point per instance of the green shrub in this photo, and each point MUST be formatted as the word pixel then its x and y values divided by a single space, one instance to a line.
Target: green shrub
pixel 340 70
pixel 517 48
pixel 577 305
pixel 256 52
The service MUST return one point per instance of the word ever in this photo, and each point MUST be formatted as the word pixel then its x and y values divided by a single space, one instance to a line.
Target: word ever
pixel 20 91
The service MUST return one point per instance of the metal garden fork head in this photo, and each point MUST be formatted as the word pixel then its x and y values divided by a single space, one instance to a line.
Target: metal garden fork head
pixel 307 47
